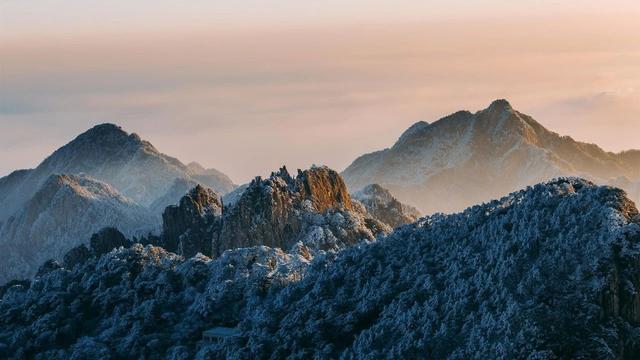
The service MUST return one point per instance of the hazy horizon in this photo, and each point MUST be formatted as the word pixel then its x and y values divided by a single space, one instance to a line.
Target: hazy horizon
pixel 245 89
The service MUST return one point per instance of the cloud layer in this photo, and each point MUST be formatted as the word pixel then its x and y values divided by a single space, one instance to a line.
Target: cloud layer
pixel 248 100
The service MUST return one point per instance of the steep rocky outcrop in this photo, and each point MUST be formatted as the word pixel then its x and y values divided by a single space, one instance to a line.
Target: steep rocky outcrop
pixel 468 158
pixel 63 214
pixel 383 206
pixel 313 208
pixel 189 226
pixel 76 255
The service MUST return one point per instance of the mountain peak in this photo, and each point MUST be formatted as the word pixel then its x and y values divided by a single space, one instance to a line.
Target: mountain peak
pixel 110 134
pixel 500 105
pixel 106 127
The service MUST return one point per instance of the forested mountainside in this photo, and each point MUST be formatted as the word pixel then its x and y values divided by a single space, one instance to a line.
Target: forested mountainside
pixel 468 158
pixel 547 272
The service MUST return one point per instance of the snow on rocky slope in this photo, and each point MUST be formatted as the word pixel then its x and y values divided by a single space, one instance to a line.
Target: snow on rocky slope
pixel 549 272
pixel 467 158
pixel 63 214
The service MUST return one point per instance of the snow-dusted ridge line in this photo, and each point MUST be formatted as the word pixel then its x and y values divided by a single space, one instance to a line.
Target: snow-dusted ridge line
pixel 467 158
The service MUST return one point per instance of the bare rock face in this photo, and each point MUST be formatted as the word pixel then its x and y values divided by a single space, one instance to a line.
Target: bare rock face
pixel 314 207
pixel 324 187
pixel 383 206
pixel 188 226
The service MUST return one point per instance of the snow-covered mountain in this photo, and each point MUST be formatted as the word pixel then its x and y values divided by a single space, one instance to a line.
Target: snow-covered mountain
pixel 108 153
pixel 550 272
pixel 545 273
pixel 64 213
pixel 467 158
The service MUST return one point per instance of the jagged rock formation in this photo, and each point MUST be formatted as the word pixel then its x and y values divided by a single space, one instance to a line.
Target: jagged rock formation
pixel 106 152
pixel 467 158
pixel 383 206
pixel 151 293
pixel 549 272
pixel 313 208
pixel 64 213
pixel 188 227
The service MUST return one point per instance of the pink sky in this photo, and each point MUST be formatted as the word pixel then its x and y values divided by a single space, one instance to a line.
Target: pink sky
pixel 247 99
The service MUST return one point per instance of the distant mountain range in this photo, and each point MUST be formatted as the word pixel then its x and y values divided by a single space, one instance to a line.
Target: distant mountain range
pixel 104 177
pixel 467 158
pixel 119 251
pixel 109 154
